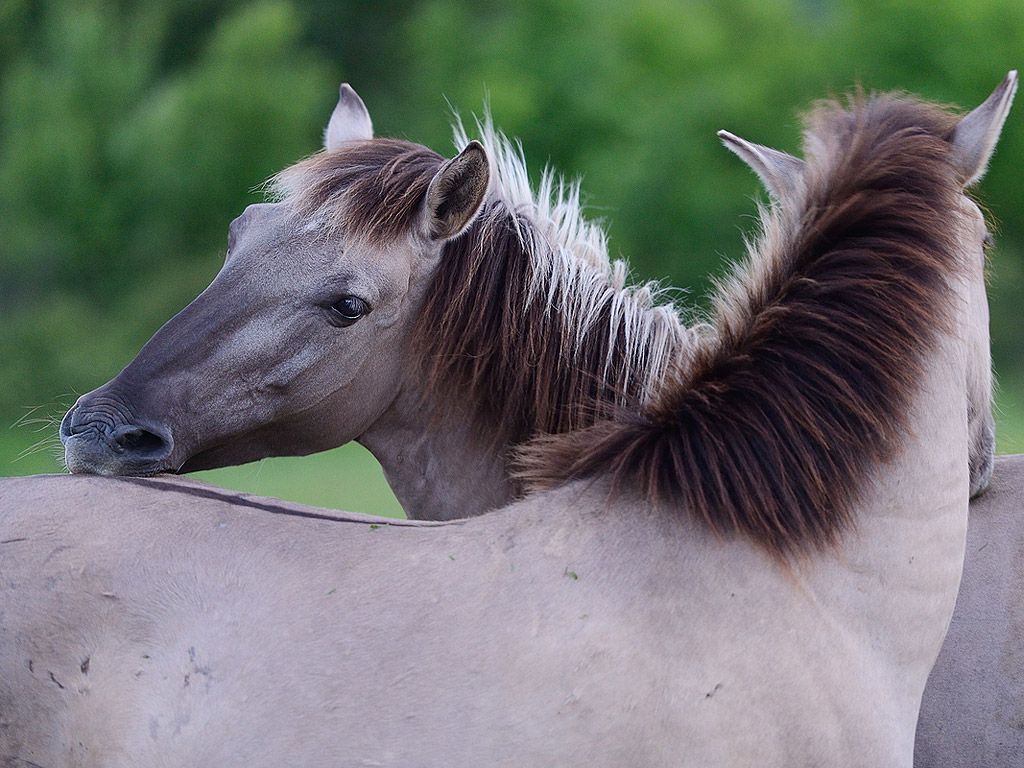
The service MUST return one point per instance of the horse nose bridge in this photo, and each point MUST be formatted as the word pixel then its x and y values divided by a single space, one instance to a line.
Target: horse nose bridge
pixel 188 344
pixel 96 411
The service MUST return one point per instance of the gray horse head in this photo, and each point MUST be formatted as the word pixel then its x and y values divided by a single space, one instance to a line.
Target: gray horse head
pixel 300 343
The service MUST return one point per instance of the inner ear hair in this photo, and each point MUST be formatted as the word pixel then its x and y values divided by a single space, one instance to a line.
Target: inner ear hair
pixel 457 191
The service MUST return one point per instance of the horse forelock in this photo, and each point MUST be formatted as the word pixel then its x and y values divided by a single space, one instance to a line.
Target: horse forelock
pixel 372 189
pixel 821 337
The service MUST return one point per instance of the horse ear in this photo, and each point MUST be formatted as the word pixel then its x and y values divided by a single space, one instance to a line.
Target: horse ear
pixel 349 121
pixel 782 174
pixel 976 135
pixel 456 192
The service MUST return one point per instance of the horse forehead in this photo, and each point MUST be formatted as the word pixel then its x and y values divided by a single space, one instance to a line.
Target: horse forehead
pixel 974 233
pixel 273 244
pixel 257 219
pixel 259 233
pixel 295 259
pixel 270 232
pixel 256 211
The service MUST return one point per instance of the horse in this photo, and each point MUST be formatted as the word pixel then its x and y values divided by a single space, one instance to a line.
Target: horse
pixel 972 714
pixel 701 572
pixel 436 476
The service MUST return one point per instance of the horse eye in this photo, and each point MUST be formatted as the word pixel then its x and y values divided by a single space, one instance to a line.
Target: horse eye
pixel 347 310
pixel 988 242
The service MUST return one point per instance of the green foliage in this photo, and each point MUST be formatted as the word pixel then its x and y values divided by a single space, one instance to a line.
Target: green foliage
pixel 131 132
pixel 119 172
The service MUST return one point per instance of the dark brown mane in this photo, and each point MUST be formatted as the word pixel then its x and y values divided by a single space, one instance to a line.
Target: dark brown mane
pixel 807 385
pixel 527 319
pixel 498 332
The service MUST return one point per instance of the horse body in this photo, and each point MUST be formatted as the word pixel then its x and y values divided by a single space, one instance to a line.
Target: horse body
pixel 970 714
pixel 517 638
pixel 708 630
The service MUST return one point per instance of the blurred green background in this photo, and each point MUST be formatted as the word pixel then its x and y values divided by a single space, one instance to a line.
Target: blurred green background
pixel 132 132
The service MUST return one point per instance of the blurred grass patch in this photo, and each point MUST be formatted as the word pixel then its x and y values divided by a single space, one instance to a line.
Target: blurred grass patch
pixel 1009 413
pixel 346 478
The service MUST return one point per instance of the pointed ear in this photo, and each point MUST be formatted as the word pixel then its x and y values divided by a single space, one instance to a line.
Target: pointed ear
pixel 782 174
pixel 976 135
pixel 456 193
pixel 349 120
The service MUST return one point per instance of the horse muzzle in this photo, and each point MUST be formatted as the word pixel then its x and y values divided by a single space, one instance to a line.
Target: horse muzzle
pixel 99 440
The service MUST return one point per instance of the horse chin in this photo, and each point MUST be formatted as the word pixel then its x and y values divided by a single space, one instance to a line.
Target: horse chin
pixel 228 454
pixel 93 452
pixel 82 458
pixel 214 458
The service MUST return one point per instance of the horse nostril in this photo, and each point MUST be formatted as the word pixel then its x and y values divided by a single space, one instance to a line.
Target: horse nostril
pixel 140 442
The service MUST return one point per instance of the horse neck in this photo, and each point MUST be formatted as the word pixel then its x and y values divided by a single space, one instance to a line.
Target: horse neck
pixel 894 583
pixel 440 460
pixel 445 456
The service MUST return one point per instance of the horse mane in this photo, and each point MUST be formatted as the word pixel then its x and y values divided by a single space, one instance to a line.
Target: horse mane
pixel 528 317
pixel 771 429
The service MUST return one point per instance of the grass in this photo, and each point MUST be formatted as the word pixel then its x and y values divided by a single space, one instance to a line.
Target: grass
pixel 344 478
pixel 1009 413
pixel 350 478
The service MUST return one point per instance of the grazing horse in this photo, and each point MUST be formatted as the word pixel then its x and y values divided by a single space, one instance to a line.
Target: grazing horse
pixel 764 551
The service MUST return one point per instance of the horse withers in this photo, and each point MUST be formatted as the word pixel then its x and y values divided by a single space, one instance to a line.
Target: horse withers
pixel 849 596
